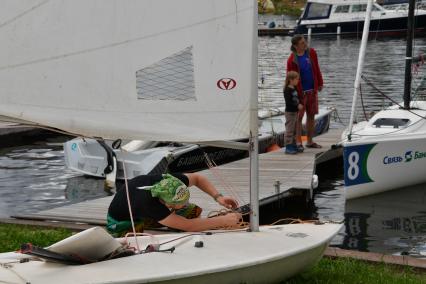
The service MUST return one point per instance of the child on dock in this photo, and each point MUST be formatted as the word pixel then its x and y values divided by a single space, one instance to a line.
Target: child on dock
pixel 292 107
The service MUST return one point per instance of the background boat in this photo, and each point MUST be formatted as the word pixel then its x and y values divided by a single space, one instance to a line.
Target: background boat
pixel 339 17
pixel 88 157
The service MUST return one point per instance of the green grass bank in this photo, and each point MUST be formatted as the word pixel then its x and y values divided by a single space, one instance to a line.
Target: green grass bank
pixel 341 270
pixel 287 7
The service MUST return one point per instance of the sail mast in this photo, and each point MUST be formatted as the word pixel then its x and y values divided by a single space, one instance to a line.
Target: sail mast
pixel 254 143
pixel 361 58
pixel 409 54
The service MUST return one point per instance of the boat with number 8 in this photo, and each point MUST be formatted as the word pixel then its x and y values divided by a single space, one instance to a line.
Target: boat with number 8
pixel 389 150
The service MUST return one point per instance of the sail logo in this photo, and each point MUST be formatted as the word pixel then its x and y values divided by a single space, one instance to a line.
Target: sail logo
pixel 226 84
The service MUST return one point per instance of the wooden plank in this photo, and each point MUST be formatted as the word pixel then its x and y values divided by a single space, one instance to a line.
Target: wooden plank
pixel 292 171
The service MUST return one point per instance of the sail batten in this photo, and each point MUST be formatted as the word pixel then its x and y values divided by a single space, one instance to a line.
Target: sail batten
pixel 109 68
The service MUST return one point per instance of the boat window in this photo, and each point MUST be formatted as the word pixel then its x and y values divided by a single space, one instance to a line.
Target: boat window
pixel 171 78
pixel 342 9
pixel 391 122
pixel 359 8
pixel 317 11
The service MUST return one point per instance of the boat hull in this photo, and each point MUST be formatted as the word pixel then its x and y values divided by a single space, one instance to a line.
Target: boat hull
pixel 88 157
pixel 269 256
pixel 384 164
pixel 378 27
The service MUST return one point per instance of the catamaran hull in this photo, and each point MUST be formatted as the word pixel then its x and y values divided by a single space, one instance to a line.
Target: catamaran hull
pixel 372 167
pixel 380 27
pixel 269 256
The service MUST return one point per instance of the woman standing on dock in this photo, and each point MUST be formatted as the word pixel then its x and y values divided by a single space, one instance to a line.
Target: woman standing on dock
pixel 304 61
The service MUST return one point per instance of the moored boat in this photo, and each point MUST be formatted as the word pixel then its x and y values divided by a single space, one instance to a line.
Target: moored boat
pixel 346 17
pixel 88 157
pixel 388 151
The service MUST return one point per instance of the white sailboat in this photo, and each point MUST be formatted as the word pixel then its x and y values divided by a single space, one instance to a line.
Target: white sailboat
pixel 108 69
pixel 389 151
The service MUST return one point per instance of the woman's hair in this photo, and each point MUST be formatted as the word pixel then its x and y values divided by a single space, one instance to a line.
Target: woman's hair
pixel 294 40
pixel 290 76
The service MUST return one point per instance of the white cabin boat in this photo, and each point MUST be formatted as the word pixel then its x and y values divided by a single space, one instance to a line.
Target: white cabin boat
pixel 346 17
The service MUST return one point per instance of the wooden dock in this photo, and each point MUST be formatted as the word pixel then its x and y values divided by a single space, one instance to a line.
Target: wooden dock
pixel 280 175
pixel 275 31
pixel 12 134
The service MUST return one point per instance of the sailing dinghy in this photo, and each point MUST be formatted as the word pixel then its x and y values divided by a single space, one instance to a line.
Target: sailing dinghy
pixel 110 69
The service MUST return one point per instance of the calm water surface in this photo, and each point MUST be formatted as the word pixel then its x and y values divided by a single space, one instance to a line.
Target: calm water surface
pixel 34 177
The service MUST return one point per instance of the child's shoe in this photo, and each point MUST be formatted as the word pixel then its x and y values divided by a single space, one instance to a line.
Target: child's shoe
pixel 291 149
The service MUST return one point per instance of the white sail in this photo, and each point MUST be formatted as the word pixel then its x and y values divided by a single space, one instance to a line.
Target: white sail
pixel 100 68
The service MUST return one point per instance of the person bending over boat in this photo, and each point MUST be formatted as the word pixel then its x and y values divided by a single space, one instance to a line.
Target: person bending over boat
pixel 163 200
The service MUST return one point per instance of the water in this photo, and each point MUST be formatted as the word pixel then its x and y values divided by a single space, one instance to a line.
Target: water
pixel 33 177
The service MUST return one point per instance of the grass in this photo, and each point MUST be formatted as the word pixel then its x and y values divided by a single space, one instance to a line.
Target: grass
pixel 12 236
pixel 342 270
pixel 288 7
pixel 346 270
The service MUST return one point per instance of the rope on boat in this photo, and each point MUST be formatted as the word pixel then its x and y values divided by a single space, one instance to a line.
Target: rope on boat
pixel 130 207
pixel 387 97
pixel 222 212
pixel 212 167
pixel 8 266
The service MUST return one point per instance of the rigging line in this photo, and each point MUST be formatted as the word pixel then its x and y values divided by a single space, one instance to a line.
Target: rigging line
pixel 389 98
pixel 2 25
pixel 128 203
pixel 229 186
pixel 234 193
pixel 211 165
pixel 362 103
pixel 119 43
pixel 338 117
pixel 9 268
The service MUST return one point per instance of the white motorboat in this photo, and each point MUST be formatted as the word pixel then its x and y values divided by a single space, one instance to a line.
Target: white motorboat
pixel 89 157
pixel 346 17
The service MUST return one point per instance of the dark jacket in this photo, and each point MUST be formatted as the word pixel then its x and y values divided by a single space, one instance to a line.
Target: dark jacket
pixel 291 99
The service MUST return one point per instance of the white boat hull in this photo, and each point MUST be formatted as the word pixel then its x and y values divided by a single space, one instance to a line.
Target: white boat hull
pixel 379 159
pixel 269 256
pixel 88 157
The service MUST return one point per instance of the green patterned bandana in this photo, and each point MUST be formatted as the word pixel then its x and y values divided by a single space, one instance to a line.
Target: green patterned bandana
pixel 170 189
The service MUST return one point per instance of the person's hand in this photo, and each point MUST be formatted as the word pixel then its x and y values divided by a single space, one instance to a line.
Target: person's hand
pixel 227 201
pixel 231 219
pixel 319 88
pixel 299 106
